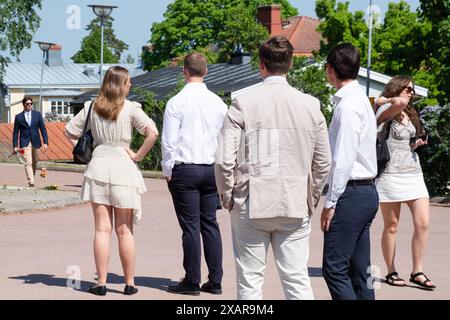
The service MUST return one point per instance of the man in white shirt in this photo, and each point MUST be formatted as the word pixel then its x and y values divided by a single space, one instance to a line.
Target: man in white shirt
pixel 352 199
pixel 192 120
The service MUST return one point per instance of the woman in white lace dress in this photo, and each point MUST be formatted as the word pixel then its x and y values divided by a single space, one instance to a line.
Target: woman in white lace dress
pixel 402 180
pixel 112 180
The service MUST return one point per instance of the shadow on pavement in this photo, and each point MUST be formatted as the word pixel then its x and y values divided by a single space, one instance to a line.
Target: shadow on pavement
pixel 149 282
pixel 51 281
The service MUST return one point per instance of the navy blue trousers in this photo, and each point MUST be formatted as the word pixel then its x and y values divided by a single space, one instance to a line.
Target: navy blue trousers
pixel 194 195
pixel 346 254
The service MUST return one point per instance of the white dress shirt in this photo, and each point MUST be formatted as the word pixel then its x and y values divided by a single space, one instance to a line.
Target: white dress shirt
pixel 353 134
pixel 192 121
pixel 28 117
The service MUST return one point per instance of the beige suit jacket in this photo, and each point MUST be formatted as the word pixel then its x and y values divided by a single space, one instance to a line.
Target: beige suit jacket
pixel 274 150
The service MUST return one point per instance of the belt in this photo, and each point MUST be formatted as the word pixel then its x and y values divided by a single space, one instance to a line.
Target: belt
pixel 177 163
pixel 355 183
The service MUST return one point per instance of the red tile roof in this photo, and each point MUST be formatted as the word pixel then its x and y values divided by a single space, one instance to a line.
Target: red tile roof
pixel 60 147
pixel 302 32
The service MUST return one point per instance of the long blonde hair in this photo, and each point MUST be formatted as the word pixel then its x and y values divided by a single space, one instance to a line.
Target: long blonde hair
pixel 112 94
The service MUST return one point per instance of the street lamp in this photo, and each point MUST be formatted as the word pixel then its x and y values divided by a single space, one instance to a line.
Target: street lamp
pixel 103 12
pixel 44 46
pixel 369 54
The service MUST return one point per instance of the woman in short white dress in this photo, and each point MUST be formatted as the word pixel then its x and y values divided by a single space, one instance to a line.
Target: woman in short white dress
pixel 402 180
pixel 112 180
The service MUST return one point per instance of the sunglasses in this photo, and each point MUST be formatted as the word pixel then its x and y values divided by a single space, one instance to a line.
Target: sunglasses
pixel 29 103
pixel 410 90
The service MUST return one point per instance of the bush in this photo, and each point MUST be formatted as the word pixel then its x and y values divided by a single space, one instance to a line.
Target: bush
pixel 155 110
pixel 435 158
pixel 54 117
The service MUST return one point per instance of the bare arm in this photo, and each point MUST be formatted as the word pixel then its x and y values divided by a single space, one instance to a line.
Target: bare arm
pixel 397 106
pixel 73 140
pixel 151 135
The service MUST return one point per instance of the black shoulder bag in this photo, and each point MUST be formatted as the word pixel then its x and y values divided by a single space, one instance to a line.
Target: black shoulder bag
pixel 82 153
pixel 383 155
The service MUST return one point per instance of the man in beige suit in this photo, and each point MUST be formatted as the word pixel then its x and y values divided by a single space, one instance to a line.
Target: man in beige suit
pixel 271 164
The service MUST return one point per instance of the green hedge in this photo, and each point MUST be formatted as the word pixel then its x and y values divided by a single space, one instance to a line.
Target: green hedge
pixel 435 157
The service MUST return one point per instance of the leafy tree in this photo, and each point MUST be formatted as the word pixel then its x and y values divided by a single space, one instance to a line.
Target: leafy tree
pixel 18 22
pixel 311 79
pixel 129 59
pixel 437 14
pixel 394 42
pixel 403 44
pixel 113 47
pixel 200 24
pixel 340 25
pixel 91 48
pixel 240 28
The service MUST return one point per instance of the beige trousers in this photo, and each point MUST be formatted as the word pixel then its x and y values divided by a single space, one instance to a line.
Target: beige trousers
pixel 289 239
pixel 31 158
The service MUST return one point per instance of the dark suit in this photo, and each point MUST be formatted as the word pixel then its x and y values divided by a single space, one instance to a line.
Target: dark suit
pixel 29 133
pixel 30 140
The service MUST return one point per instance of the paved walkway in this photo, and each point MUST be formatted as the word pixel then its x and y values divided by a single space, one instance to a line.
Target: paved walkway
pixel 40 250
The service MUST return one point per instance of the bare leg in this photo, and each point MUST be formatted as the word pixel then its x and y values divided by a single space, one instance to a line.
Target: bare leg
pixel 391 217
pixel 102 240
pixel 127 248
pixel 420 210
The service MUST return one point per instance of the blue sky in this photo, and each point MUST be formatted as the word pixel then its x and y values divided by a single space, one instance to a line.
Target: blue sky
pixel 133 20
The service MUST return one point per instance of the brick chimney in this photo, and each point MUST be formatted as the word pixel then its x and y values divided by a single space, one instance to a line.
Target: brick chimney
pixel 54 57
pixel 270 17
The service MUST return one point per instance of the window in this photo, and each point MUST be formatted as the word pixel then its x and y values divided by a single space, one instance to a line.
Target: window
pixel 62 108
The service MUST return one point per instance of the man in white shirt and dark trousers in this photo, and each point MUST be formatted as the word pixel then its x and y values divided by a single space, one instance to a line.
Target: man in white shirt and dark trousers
pixel 192 121
pixel 352 199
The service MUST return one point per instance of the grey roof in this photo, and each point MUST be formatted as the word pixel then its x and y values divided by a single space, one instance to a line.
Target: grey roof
pixel 55 93
pixel 221 78
pixel 69 75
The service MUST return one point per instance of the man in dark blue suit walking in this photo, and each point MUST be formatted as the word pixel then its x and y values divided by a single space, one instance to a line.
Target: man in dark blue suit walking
pixel 28 123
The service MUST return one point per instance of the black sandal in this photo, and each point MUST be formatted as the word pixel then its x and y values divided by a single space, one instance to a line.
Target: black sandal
pixel 425 284
pixel 390 280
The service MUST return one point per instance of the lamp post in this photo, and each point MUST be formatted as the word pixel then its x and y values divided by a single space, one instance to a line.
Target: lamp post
pixel 103 12
pixel 44 46
pixel 369 54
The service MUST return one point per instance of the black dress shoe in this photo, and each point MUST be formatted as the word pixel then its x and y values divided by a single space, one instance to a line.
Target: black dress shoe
pixel 213 288
pixel 98 290
pixel 185 287
pixel 130 290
